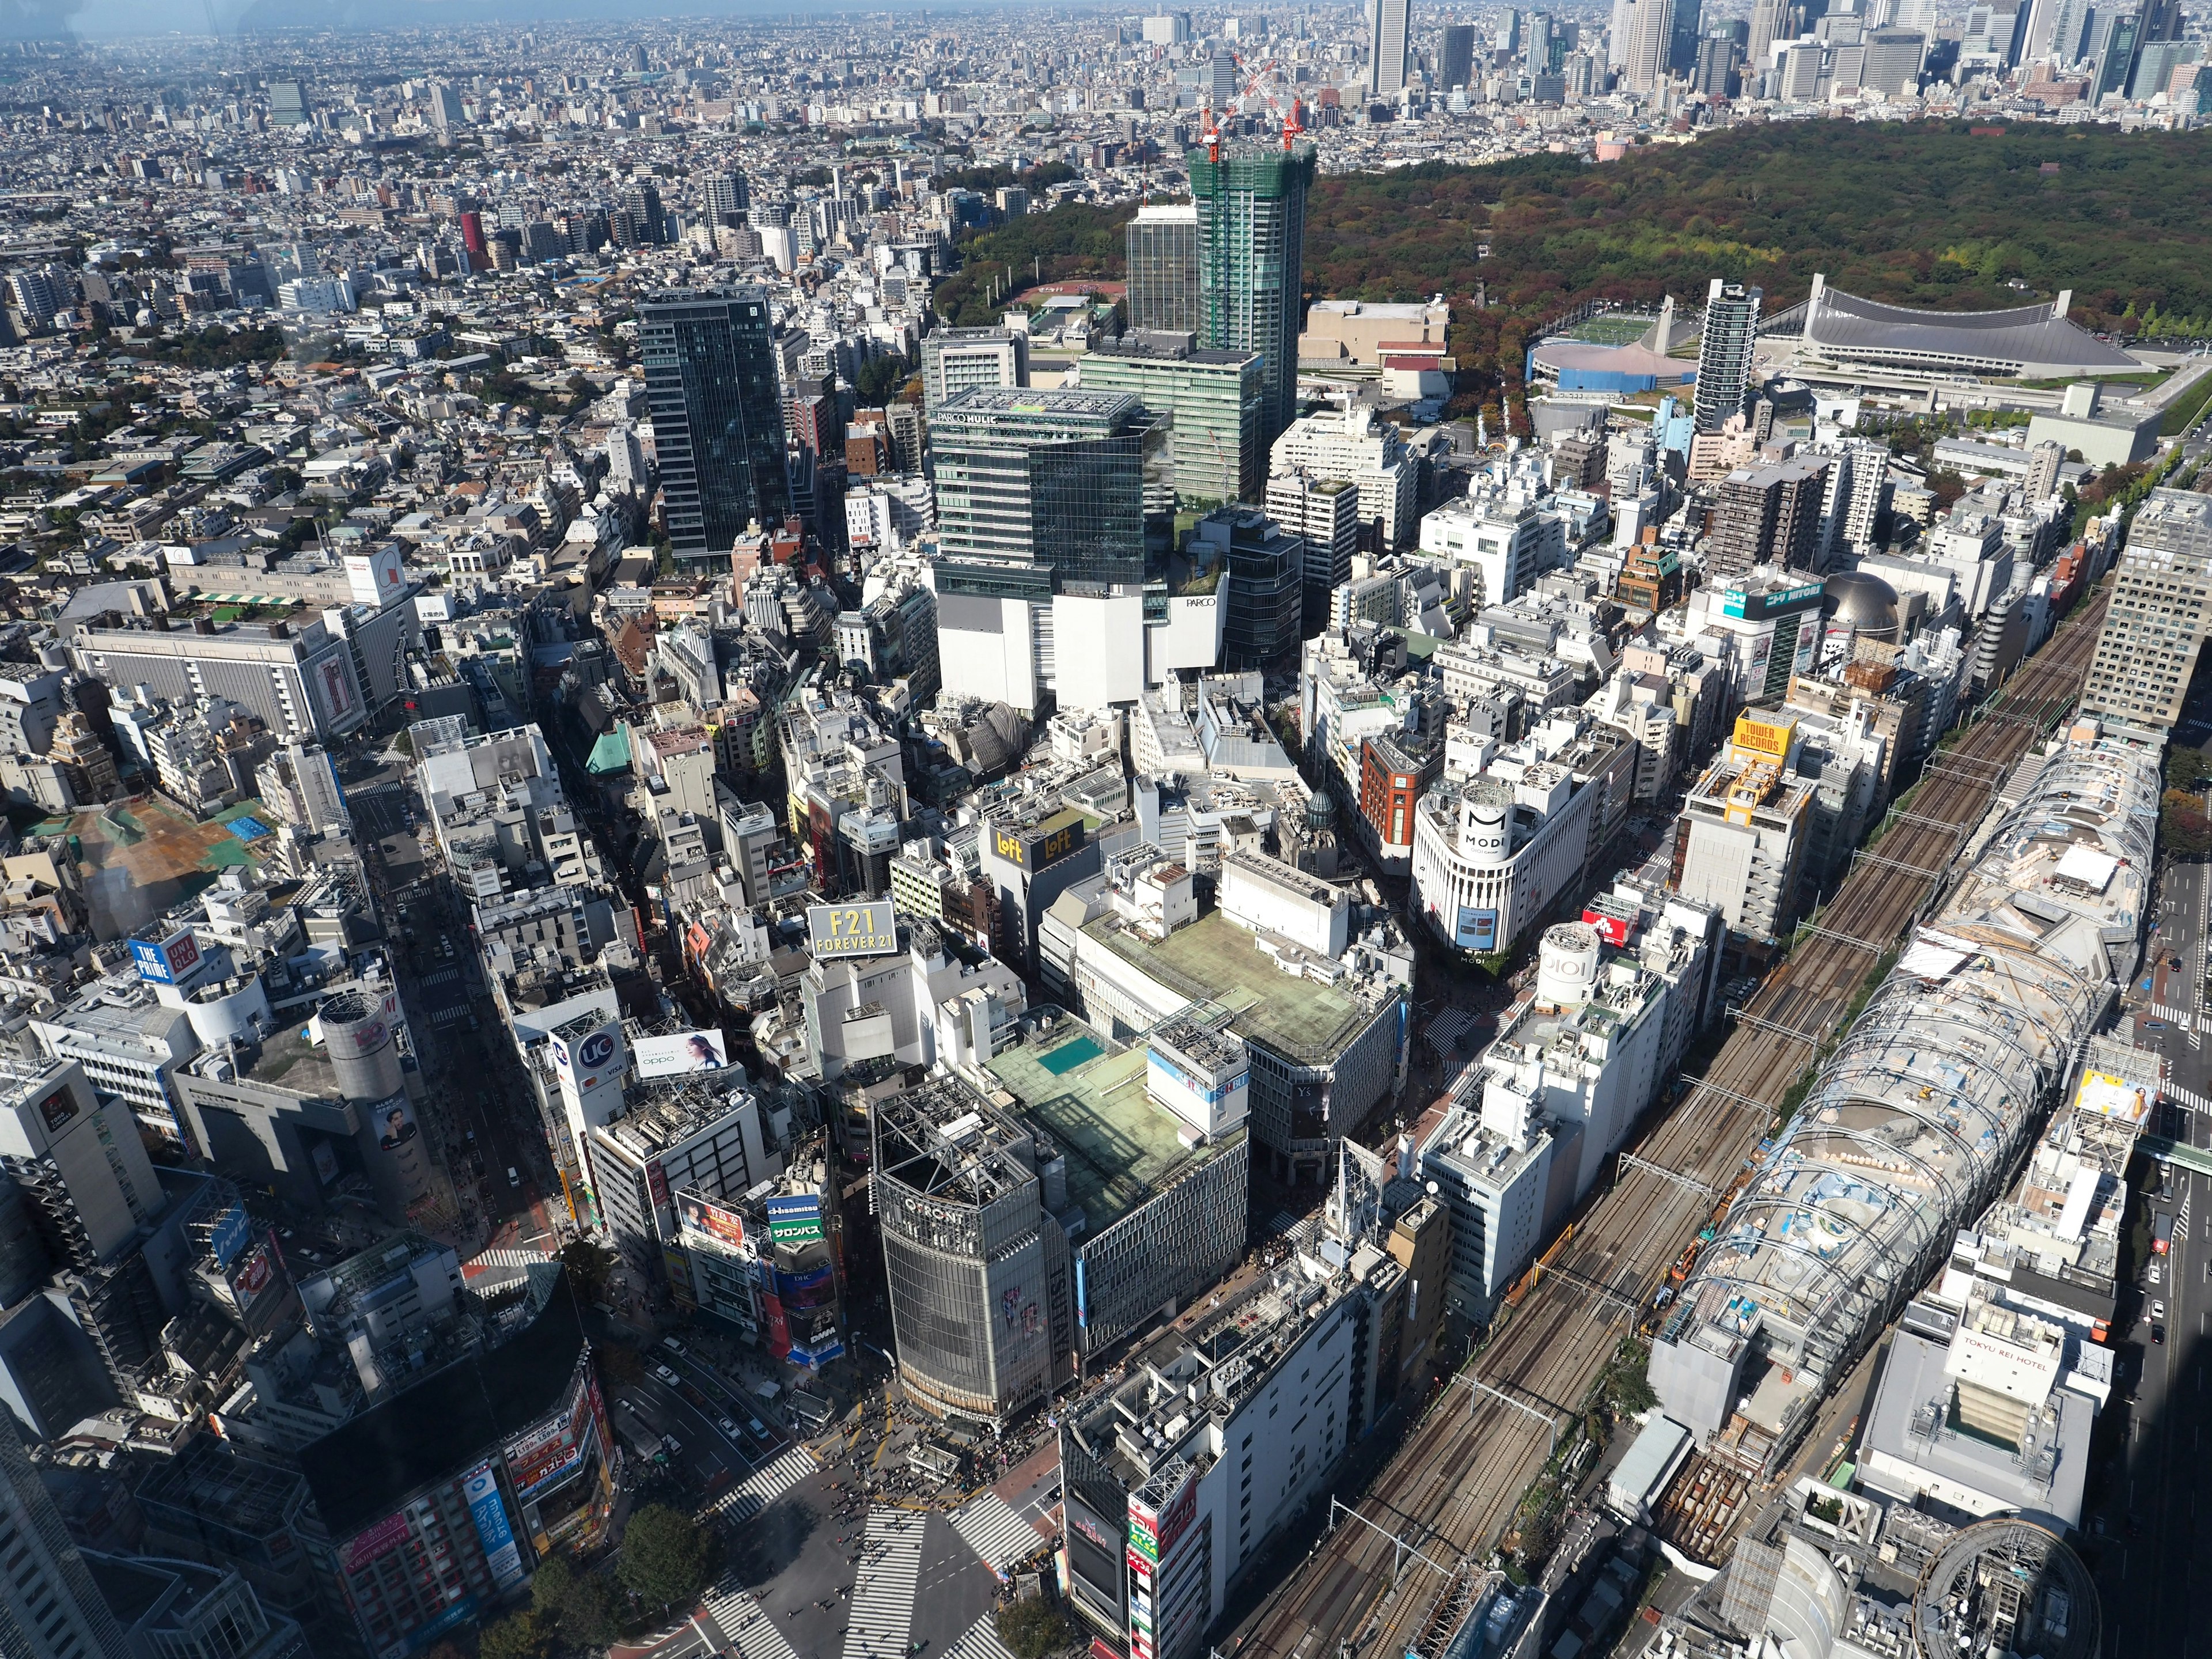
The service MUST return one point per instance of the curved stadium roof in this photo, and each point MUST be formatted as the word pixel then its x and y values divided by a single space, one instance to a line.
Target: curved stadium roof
pixel 2035 341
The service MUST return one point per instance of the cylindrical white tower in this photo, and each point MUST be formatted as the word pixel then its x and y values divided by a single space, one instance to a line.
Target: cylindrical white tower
pixel 358 1039
pixel 1566 965
pixel 1486 822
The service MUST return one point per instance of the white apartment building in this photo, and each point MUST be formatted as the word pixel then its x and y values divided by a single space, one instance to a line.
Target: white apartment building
pixel 1356 446
pixel 1506 547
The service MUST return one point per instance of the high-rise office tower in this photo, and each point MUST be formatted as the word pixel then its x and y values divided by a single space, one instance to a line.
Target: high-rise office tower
pixel 2117 61
pixel 1620 34
pixel 728 198
pixel 1455 59
pixel 710 382
pixel 1054 480
pixel 49 1605
pixel 1724 352
pixel 2148 653
pixel 1717 65
pixel 1251 261
pixel 444 106
pixel 1769 22
pixel 2069 39
pixel 2161 21
pixel 1652 35
pixel 1386 32
pixel 1682 41
pixel 1222 85
pixel 957 360
pixel 648 220
pixel 1041 499
pixel 1163 269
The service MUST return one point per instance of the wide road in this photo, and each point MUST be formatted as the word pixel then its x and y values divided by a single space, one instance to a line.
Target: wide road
pixel 1452 1488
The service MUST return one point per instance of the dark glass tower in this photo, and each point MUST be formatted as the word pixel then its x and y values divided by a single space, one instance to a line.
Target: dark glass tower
pixel 710 382
pixel 1251 261
pixel 1052 481
pixel 1162 271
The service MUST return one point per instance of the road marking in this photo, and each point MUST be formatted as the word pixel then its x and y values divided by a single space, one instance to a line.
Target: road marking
pixel 988 1525
pixel 744 1625
pixel 763 1487
pixel 980 1641
pixel 883 1594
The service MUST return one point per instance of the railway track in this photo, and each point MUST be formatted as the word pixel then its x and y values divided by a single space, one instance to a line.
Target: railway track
pixel 1452 1490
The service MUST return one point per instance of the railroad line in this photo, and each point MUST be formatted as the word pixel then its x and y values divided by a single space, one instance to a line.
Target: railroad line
pixel 1452 1488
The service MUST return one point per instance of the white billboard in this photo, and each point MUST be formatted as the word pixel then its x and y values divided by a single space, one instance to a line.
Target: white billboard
pixel 685 1052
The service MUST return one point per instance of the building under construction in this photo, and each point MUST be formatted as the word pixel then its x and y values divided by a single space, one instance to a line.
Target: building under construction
pixel 1251 202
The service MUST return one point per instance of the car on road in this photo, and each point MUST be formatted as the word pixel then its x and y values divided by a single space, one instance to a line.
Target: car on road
pixel 759 1430
pixel 2158 1335
pixel 726 1427
pixel 664 1375
pixel 2154 1279
pixel 2158 1310
pixel 513 1179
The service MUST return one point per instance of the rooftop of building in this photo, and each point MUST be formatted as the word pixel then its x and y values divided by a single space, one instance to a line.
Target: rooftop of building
pixel 2019 336
pixel 1141 1420
pixel 1212 959
pixel 1088 1096
pixel 674 1115
pixel 287 1058
pixel 1913 1420
pixel 1156 346
pixel 944 1140
pixel 209 1477
pixel 364 1470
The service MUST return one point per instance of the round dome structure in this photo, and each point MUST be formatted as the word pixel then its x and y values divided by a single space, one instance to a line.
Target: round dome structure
pixel 1862 602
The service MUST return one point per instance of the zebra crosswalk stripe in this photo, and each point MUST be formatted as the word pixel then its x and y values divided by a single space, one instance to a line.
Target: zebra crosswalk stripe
pixel 506 1258
pixel 883 1594
pixel 989 1526
pixel 980 1641
pixel 763 1487
pixel 744 1627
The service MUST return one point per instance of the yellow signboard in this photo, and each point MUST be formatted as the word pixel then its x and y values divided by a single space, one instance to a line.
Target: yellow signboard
pixel 1770 737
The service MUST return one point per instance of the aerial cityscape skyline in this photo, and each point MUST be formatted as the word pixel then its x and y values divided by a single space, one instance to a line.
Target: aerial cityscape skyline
pixel 1026 834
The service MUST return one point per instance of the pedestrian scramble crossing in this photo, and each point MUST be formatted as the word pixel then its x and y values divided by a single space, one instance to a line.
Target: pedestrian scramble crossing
pixel 883 1594
pixel 2176 1095
pixel 743 1626
pixel 989 1526
pixel 980 1641
pixel 762 1486
pixel 2170 1016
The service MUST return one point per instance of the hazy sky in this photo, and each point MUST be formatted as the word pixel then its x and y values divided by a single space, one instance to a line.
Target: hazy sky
pixel 91 19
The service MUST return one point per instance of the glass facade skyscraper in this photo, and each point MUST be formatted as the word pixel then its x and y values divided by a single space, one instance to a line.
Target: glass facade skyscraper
pixel 1053 481
pixel 710 382
pixel 1163 269
pixel 1213 398
pixel 1251 262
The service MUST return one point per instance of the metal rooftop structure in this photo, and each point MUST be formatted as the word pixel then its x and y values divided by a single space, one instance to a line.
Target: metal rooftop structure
pixel 1912 1125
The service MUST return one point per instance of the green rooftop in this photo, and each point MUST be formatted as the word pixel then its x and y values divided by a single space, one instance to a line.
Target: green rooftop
pixel 1214 959
pixel 1122 1151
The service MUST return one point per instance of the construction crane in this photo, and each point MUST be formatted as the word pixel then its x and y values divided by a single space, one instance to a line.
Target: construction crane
pixel 1294 121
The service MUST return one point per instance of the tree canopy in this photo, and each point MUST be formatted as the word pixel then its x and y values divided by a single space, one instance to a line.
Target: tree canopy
pixel 666 1557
